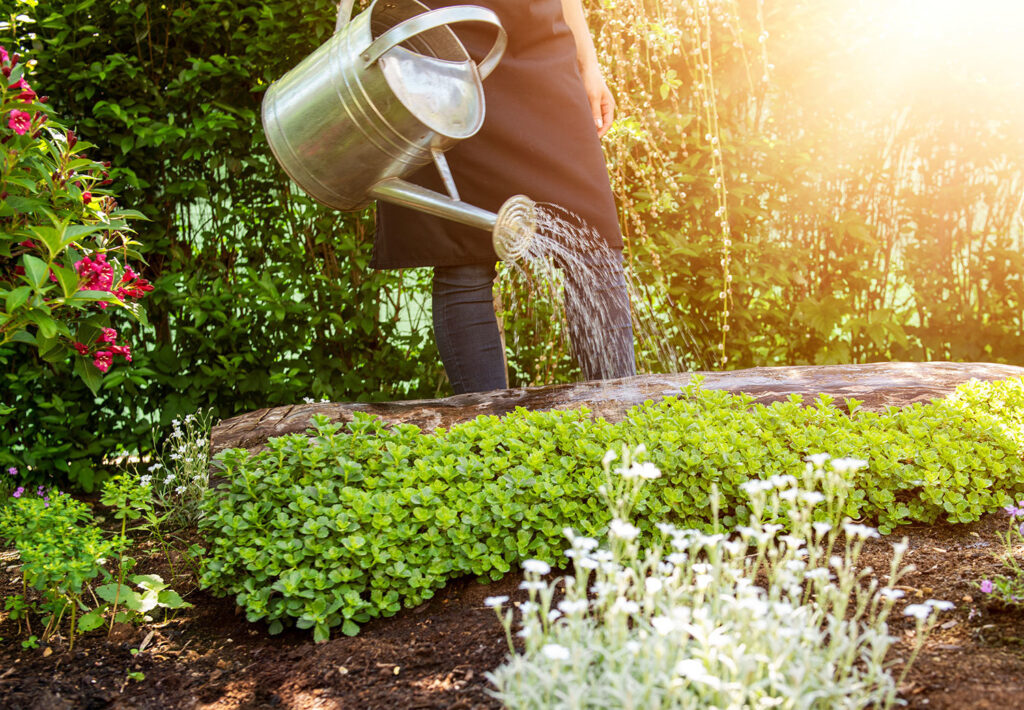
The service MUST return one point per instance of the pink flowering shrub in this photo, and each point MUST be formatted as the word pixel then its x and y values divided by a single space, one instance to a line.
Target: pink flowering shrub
pixel 64 242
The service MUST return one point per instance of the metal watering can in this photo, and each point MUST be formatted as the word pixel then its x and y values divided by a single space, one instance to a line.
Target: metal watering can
pixel 390 91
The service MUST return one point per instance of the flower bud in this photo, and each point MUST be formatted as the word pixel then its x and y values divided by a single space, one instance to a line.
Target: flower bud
pixel 72 139
pixel 6 70
pixel 14 59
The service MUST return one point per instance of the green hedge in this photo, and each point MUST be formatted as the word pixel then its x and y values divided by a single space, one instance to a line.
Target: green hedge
pixel 341 526
pixel 261 296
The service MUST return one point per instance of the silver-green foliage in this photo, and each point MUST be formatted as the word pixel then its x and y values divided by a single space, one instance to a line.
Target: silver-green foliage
pixel 348 524
pixel 757 619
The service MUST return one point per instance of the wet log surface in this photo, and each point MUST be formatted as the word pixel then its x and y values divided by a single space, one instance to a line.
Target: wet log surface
pixel 876 385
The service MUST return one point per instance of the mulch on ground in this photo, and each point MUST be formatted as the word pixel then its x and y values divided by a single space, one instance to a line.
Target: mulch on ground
pixel 438 654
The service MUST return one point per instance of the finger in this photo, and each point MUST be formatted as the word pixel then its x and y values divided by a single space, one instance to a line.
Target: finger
pixel 607 113
pixel 597 112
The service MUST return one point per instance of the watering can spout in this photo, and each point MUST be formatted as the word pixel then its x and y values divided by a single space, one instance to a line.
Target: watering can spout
pixel 512 229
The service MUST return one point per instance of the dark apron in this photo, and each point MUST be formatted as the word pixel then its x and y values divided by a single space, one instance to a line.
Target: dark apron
pixel 538 139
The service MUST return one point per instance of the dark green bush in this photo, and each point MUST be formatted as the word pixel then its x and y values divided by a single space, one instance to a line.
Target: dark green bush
pixel 338 527
pixel 261 296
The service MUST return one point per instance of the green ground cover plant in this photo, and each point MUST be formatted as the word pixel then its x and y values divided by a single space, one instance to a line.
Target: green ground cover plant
pixel 354 522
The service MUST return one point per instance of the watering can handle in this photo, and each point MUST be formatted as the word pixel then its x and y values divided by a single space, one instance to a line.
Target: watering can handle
pixel 439 18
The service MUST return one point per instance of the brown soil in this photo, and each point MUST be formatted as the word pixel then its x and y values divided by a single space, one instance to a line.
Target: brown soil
pixel 437 655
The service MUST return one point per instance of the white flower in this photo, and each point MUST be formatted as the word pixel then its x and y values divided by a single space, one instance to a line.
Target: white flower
pixel 495 601
pixel 819 574
pixel 622 529
pixel 792 541
pixel 169 479
pixel 821 529
pixel 555 652
pixel 632 647
pixel 533 586
pixel 918 611
pixel 837 561
pixel 553 614
pixel 587 563
pixel 528 608
pixel 573 606
pixel 626 606
pixel 175 456
pixel 180 489
pixel 190 418
pixel 899 548
pixel 754 486
pixel 653 585
pixel 609 457
pixel 939 604
pixel 677 558
pixel 861 531
pixel 848 465
pixel 663 625
pixel 536 567
pixel 175 423
pixel 584 543
pixel 892 593
pixel 693 669
pixel 703 581
pixel 156 466
pixel 811 498
pixel 145 479
pixel 308 400
pixel 643 470
pixel 781 480
pixel 818 459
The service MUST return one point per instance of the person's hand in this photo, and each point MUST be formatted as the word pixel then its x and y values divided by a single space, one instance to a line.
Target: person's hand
pixel 602 104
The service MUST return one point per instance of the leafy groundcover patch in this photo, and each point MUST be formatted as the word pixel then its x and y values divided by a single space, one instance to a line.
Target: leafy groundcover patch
pixel 350 523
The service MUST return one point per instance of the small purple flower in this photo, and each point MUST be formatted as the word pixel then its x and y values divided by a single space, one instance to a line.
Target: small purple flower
pixel 12 471
pixel 1013 511
pixel 987 586
pixel 46 501
pixel 18 491
pixel 40 491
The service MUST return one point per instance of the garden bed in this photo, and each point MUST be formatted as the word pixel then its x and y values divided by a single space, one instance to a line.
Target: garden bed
pixel 437 655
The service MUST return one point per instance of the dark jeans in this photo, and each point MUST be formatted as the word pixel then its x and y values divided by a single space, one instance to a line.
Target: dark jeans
pixel 466 328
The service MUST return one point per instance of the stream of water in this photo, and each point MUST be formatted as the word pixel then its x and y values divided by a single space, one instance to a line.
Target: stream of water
pixel 568 265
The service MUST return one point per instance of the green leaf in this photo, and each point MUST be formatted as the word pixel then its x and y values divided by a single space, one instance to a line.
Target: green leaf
pixel 36 271
pixel 17 297
pixel 90 621
pixel 89 374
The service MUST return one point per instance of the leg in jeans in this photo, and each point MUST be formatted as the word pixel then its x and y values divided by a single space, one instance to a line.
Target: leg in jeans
pixel 466 328
pixel 597 310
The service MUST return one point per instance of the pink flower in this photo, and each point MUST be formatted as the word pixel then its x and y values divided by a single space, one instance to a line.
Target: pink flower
pixel 19 122
pixel 103 359
pixel 98 274
pixel 86 197
pixel 109 336
pixel 122 350
pixel 82 348
pixel 27 94
pixel 17 493
pixel 4 59
pixel 987 586
pixel 131 285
